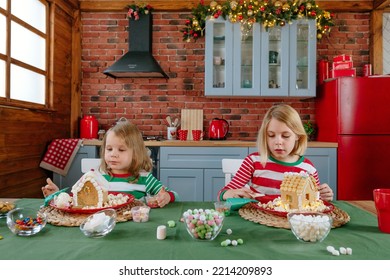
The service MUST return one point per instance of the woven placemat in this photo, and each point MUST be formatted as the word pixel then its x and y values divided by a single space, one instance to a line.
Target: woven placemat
pixel 251 213
pixel 58 217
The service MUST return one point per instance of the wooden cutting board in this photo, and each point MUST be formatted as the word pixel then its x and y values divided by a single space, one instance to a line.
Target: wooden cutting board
pixel 191 119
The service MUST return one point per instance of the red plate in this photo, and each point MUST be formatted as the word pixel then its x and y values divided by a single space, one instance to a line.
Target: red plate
pixel 267 198
pixel 94 210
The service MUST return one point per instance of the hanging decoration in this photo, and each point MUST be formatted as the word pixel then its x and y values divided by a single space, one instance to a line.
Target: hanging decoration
pixel 136 10
pixel 269 13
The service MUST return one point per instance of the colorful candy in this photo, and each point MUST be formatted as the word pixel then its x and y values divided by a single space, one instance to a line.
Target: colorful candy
pixel 28 223
pixel 203 224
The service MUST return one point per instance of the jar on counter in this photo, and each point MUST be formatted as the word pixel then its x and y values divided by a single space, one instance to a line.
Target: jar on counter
pixel 89 127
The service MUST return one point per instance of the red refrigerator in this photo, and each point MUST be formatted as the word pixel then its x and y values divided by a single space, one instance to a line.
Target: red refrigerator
pixel 355 113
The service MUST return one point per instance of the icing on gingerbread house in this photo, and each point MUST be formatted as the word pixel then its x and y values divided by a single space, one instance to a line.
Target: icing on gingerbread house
pixel 298 190
pixel 90 191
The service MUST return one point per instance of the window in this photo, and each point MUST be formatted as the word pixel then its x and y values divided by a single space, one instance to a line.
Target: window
pixel 23 53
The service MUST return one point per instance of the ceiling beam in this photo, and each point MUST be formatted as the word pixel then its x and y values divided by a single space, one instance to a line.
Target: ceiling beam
pixel 381 4
pixel 187 5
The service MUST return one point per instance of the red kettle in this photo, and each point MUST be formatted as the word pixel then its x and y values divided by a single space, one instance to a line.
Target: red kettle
pixel 218 129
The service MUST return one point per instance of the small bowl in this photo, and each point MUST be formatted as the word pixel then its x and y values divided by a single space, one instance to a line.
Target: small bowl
pixel 99 224
pixel 5 207
pixel 309 226
pixel 140 214
pixel 25 221
pixel 203 224
pixel 151 201
pixel 223 207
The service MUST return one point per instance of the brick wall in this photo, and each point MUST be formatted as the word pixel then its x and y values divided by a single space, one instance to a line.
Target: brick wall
pixel 148 101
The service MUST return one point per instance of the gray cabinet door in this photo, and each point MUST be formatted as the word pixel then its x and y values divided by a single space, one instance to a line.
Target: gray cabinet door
pixel 325 160
pixel 214 180
pixel 188 183
pixel 195 173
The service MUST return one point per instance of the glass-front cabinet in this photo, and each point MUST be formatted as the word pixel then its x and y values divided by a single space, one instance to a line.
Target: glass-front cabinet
pixel 219 57
pixel 303 40
pixel 246 60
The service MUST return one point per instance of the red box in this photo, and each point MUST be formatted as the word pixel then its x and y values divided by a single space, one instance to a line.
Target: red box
pixel 342 65
pixel 343 73
pixel 342 57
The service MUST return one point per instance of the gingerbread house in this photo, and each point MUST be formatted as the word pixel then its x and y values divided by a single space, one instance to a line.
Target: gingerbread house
pixel 90 191
pixel 298 190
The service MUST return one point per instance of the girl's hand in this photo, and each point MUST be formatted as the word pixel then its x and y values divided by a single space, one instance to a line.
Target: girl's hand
pixel 326 192
pixel 49 188
pixel 163 197
pixel 242 192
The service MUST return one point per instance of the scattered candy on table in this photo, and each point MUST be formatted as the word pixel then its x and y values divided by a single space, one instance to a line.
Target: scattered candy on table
pixel 1 237
pixel 171 224
pixel 342 250
pixel 229 231
pixel 234 243
pixel 161 232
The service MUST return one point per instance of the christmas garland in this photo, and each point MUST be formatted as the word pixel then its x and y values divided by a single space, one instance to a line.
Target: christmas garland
pixel 267 12
pixel 136 10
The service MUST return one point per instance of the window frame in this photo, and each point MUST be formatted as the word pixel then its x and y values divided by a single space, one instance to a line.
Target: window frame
pixel 7 101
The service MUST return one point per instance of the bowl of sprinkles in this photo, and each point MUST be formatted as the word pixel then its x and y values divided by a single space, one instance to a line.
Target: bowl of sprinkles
pixel 25 221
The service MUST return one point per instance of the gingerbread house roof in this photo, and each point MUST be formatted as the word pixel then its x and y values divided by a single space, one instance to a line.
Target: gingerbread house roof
pixel 298 183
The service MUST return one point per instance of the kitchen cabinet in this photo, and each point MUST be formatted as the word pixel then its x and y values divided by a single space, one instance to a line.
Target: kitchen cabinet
pixel 325 161
pixel 247 60
pixel 196 173
pixel 74 172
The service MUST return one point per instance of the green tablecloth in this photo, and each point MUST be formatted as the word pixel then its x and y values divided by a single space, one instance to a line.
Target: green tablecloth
pixel 132 240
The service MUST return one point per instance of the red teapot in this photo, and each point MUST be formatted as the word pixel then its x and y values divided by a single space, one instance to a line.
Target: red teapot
pixel 218 129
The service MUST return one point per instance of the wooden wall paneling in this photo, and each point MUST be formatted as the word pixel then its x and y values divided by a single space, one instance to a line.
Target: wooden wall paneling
pixel 376 42
pixel 75 111
pixel 25 134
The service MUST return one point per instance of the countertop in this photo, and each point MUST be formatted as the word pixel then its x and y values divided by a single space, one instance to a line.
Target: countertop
pixel 208 143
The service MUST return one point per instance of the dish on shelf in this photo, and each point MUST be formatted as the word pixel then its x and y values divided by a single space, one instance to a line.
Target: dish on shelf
pixel 76 210
pixel 268 198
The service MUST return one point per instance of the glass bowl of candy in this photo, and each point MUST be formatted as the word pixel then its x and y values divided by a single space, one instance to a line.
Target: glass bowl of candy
pixel 203 224
pixel 309 226
pixel 151 201
pixel 140 214
pixel 223 207
pixel 5 207
pixel 25 221
pixel 99 224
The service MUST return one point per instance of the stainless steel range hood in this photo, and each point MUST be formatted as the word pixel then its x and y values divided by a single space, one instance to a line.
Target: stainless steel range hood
pixel 138 62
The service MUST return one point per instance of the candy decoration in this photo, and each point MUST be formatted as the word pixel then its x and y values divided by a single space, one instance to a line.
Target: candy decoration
pixel 229 231
pixel 203 224
pixel 161 232
pixel 28 223
pixel 342 251
pixel 171 224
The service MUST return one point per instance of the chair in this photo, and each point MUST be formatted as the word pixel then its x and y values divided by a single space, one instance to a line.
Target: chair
pixel 230 167
pixel 89 163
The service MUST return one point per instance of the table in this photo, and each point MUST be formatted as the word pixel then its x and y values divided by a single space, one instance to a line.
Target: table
pixel 138 241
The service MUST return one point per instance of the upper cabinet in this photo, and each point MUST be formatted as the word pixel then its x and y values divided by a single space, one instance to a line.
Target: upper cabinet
pixel 247 60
